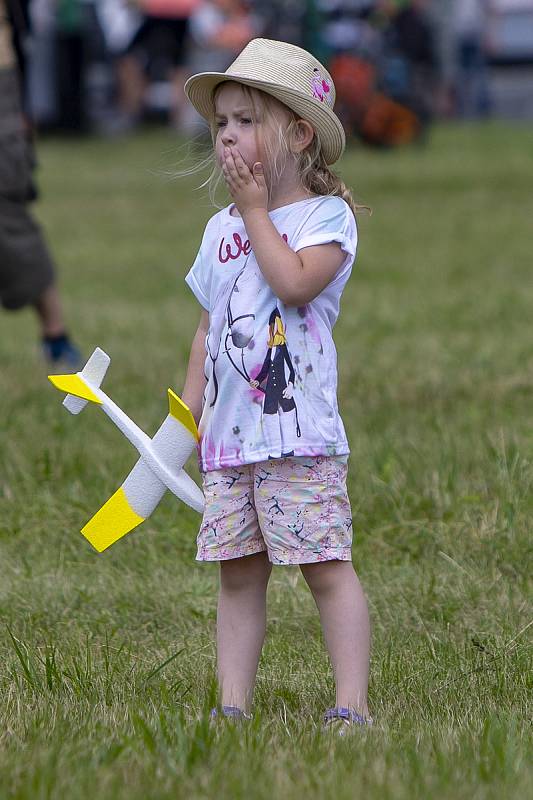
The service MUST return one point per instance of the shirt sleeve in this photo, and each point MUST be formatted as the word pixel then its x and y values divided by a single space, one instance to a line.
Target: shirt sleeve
pixel 198 279
pixel 330 221
pixel 195 281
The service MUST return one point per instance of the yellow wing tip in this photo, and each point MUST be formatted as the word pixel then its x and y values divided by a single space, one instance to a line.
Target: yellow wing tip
pixel 114 520
pixel 74 384
pixel 181 411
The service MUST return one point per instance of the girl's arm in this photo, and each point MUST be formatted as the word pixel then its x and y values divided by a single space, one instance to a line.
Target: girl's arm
pixel 296 278
pixel 195 381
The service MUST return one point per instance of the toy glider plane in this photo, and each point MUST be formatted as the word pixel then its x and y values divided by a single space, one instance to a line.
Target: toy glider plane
pixel 160 466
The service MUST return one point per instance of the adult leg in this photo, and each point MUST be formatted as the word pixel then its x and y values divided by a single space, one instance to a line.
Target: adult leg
pixel 27 271
pixel 178 78
pixel 131 86
pixel 241 626
pixel 50 312
pixel 344 616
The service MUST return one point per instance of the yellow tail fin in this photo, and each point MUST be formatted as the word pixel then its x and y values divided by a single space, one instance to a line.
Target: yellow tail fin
pixel 73 384
pixel 182 413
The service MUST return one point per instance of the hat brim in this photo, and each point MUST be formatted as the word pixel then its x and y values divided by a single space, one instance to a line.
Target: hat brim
pixel 200 87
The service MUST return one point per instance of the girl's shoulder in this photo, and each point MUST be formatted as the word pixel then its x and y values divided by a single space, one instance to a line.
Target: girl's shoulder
pixel 320 205
pixel 333 204
pixel 332 211
pixel 215 221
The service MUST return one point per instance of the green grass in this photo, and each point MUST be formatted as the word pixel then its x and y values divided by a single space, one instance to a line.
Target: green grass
pixel 107 662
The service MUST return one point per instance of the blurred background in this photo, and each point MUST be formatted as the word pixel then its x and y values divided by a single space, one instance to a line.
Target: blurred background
pixel 106 66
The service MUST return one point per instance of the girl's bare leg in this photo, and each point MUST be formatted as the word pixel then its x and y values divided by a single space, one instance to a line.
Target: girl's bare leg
pixel 241 626
pixel 344 615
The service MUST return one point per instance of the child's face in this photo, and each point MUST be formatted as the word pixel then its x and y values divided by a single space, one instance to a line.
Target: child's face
pixel 250 129
pixel 237 124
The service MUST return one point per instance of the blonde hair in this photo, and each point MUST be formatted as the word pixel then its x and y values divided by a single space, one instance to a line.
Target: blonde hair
pixel 315 175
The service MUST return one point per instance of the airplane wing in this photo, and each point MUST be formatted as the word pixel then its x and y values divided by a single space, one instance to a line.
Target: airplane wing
pixel 128 507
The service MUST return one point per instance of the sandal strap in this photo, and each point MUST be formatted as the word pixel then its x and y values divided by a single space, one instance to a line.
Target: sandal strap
pixel 347 715
pixel 233 712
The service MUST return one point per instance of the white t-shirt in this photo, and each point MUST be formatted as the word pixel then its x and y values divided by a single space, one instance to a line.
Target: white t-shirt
pixel 253 336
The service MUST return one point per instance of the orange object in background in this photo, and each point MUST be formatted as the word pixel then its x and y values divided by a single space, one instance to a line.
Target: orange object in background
pixel 365 111
pixel 354 79
pixel 388 123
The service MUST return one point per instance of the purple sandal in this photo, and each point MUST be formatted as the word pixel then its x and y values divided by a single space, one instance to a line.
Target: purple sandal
pixel 339 720
pixel 230 712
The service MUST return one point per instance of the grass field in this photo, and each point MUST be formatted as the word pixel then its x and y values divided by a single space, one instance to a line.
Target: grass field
pixel 107 662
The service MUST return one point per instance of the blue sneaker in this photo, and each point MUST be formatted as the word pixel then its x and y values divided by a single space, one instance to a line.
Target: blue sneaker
pixel 60 354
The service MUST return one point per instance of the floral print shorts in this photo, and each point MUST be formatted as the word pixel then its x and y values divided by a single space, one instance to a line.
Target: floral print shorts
pixel 295 508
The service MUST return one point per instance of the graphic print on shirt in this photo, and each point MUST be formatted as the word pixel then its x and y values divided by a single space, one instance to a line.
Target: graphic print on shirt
pixel 231 336
pixel 232 323
pixel 280 415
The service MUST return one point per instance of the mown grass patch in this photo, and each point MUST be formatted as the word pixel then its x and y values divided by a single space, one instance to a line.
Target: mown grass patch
pixel 107 662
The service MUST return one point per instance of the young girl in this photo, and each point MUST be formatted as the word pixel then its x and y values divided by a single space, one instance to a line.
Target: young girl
pixel 262 378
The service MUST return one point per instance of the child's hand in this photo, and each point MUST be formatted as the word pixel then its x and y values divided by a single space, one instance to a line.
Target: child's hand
pixel 249 190
pixel 254 384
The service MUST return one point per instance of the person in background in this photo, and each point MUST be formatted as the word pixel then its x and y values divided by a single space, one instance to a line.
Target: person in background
pixel 219 29
pixel 345 27
pixel 471 85
pixel 27 273
pixel 70 58
pixel 293 21
pixel 362 60
pixel 159 44
pixel 410 57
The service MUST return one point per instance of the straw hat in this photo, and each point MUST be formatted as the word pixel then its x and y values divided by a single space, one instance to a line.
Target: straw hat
pixel 289 74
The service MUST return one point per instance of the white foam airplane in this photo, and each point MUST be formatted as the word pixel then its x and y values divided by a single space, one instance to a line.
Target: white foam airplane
pixel 160 466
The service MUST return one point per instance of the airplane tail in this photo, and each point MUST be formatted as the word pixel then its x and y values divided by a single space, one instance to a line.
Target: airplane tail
pixel 78 386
